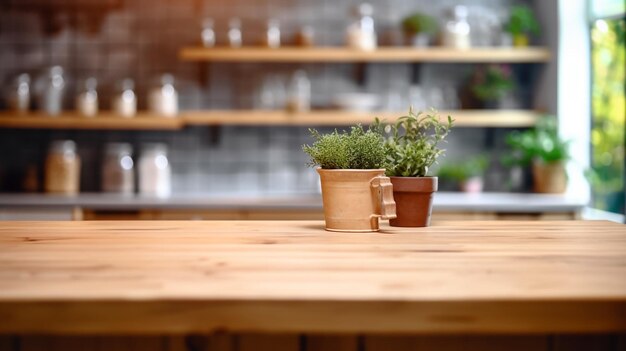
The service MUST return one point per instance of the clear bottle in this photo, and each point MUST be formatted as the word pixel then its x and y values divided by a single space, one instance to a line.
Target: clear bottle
pixel 208 33
pixel 62 175
pixel 361 34
pixel 117 169
pixel 87 99
pixel 299 92
pixel 51 97
pixel 163 99
pixel 155 173
pixel 18 99
pixel 456 33
pixel 125 100
pixel 234 33
pixel 272 36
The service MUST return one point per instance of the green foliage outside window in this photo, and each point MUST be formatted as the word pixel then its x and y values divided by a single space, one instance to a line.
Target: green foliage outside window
pixel 608 114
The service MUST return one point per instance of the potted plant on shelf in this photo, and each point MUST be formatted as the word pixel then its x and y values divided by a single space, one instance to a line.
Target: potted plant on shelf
pixel 466 176
pixel 355 190
pixel 420 29
pixel 543 150
pixel 411 147
pixel 522 22
pixel 491 84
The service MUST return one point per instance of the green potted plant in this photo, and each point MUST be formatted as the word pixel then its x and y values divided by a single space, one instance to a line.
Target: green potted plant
pixel 491 84
pixel 466 176
pixel 412 147
pixel 543 150
pixel 522 22
pixel 355 190
pixel 420 29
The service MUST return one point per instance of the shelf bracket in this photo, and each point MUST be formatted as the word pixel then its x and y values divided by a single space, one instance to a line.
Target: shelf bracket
pixel 204 69
pixel 415 73
pixel 215 135
pixel 360 73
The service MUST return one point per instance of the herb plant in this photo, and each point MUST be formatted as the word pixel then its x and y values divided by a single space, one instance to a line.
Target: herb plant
pixel 412 143
pixel 356 149
pixel 522 21
pixel 492 82
pixel 420 23
pixel 464 170
pixel 541 143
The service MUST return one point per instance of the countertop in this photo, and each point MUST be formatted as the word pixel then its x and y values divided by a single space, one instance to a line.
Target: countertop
pixel 292 276
pixel 443 201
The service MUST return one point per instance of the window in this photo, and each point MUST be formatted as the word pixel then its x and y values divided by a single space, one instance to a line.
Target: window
pixel 608 105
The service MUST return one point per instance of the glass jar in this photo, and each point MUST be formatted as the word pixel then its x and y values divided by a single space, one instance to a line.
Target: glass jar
pixel 456 32
pixel 272 94
pixel 62 174
pixel 208 33
pixel 125 101
pixel 361 34
pixel 163 99
pixel 155 173
pixel 306 36
pixel 117 169
pixel 51 97
pixel 87 99
pixel 272 35
pixel 18 99
pixel 234 33
pixel 299 92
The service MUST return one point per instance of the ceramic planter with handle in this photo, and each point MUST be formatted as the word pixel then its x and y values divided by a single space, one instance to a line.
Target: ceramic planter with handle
pixel 414 200
pixel 355 199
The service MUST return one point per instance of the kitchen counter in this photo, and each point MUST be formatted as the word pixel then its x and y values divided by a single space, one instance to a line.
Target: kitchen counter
pixel 293 277
pixel 443 201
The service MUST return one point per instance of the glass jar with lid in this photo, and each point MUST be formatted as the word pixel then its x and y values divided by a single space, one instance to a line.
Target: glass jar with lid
pixel 163 99
pixel 207 35
pixel 118 169
pixel 235 39
pixel 87 99
pixel 299 92
pixel 62 175
pixel 361 34
pixel 272 36
pixel 155 172
pixel 19 95
pixel 456 32
pixel 125 100
pixel 53 88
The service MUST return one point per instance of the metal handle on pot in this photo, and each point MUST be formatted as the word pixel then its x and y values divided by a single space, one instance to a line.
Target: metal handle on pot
pixel 385 197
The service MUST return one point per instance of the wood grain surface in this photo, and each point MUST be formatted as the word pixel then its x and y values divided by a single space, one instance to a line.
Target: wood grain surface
pixel 292 276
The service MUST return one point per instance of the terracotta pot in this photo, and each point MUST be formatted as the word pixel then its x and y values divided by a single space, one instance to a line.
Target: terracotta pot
pixel 549 178
pixel 414 200
pixel 354 199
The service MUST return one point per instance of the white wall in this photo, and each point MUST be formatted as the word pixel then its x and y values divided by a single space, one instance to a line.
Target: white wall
pixel 574 88
pixel 574 82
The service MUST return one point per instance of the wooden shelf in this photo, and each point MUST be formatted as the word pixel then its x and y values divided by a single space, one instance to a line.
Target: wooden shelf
pixel 384 54
pixel 104 120
pixel 466 118
pixel 146 121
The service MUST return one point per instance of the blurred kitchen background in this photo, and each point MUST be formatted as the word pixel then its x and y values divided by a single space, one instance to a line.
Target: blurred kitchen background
pixel 141 109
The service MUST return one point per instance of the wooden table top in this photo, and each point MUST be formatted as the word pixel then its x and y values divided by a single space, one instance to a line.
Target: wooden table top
pixel 292 276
